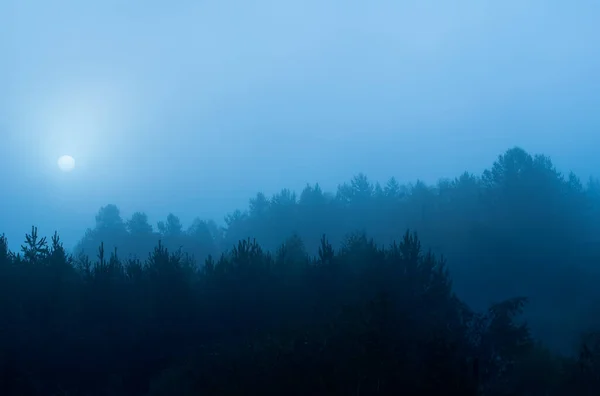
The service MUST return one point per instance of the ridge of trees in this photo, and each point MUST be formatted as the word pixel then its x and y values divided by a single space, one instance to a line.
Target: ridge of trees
pixel 520 228
pixel 338 297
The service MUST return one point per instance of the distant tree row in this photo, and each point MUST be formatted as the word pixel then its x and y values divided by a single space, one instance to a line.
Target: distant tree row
pixel 520 228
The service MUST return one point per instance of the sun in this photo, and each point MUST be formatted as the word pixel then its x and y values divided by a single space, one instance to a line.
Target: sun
pixel 66 163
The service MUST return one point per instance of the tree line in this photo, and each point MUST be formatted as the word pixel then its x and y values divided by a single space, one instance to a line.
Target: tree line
pixel 520 228
pixel 321 294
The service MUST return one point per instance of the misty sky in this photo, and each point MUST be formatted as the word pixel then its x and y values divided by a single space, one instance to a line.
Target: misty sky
pixel 194 106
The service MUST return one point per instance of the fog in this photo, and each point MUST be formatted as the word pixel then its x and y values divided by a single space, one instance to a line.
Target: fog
pixel 257 185
pixel 193 107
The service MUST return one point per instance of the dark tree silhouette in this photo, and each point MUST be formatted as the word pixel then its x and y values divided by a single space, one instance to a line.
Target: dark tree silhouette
pixel 339 297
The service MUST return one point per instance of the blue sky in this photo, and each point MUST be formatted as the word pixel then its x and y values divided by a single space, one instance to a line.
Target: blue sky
pixel 192 107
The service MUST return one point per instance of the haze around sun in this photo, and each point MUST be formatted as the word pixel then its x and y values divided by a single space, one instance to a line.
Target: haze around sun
pixel 66 163
pixel 193 107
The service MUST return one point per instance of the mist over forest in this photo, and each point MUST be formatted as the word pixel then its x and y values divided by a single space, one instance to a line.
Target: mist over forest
pixel 299 197
pixel 483 284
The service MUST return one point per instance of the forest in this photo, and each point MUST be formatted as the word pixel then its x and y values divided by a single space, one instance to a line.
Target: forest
pixel 478 285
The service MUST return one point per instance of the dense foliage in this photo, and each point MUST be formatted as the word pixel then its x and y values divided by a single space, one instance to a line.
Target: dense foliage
pixel 338 298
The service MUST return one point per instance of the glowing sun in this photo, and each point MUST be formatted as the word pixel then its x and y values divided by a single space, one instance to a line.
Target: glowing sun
pixel 66 163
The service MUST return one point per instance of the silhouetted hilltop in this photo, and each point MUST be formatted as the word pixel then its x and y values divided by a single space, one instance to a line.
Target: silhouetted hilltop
pixel 520 228
pixel 321 294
